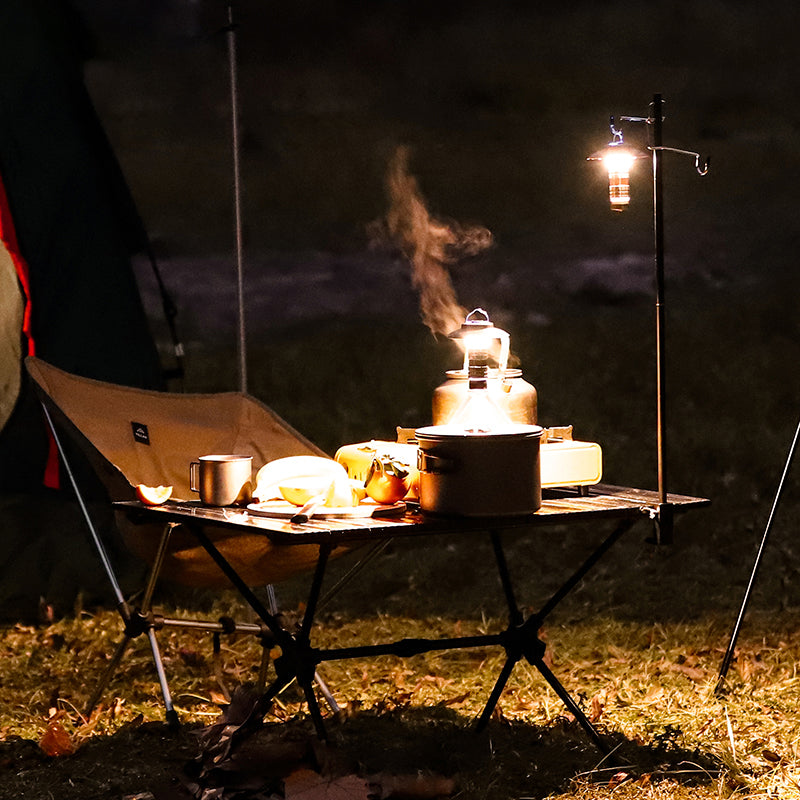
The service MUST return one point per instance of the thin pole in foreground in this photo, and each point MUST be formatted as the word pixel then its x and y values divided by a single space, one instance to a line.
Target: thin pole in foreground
pixel 726 661
pixel 237 196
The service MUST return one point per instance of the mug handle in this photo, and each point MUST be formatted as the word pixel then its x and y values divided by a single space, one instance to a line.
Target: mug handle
pixel 194 468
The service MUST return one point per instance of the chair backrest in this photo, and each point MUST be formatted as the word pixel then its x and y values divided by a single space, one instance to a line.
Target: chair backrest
pixel 134 436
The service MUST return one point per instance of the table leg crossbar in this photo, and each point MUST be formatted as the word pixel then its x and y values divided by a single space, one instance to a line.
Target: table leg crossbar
pixel 299 659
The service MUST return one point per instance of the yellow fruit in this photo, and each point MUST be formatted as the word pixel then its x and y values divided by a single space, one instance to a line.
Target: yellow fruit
pixel 299 491
pixel 285 471
pixel 153 495
pixel 341 494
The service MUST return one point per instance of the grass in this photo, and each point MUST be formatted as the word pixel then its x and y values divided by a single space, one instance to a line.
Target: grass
pixel 639 642
pixel 647 687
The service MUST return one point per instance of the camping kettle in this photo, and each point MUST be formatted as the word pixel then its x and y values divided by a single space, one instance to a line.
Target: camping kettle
pixel 511 393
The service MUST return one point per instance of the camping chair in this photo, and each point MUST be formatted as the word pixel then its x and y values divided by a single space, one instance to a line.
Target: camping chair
pixel 134 436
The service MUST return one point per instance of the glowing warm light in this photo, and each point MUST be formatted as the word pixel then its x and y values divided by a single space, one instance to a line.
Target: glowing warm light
pixel 618 160
pixel 477 336
pixel 618 163
pixel 477 345
pixel 479 413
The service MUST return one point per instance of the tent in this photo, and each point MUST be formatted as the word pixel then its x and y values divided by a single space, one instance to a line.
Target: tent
pixel 68 292
pixel 14 305
pixel 67 206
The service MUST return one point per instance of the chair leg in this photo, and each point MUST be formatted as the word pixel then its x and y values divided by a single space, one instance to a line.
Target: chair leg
pixel 107 675
pixel 137 623
pixel 323 687
pixel 326 693
pixel 171 714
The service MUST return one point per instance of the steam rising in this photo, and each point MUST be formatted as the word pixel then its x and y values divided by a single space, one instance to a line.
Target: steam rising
pixel 430 245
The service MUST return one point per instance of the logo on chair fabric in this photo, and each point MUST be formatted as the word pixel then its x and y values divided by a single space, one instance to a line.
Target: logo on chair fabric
pixel 140 433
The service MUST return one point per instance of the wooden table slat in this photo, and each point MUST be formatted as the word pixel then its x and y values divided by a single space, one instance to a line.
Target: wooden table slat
pixel 560 506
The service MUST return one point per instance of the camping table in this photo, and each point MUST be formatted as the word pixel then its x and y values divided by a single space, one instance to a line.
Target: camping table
pixel 299 658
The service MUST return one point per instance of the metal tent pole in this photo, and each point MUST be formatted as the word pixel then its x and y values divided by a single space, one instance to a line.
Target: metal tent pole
pixel 728 658
pixel 237 194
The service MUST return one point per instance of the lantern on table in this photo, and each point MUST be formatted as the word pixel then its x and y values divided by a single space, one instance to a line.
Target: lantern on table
pixel 485 391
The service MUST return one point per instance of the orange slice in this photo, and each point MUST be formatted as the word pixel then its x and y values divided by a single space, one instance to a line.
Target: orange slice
pixel 153 495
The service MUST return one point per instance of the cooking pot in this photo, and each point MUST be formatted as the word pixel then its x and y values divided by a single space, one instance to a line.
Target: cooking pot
pixel 477 473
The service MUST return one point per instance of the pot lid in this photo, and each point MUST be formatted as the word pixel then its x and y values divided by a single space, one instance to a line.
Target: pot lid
pixel 509 430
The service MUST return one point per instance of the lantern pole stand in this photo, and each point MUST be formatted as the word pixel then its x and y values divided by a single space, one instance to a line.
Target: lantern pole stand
pixel 230 33
pixel 663 515
pixel 729 653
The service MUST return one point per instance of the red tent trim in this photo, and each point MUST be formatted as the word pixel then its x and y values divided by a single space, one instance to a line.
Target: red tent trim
pixel 8 235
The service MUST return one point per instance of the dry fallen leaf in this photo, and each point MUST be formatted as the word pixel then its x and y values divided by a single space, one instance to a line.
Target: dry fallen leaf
pixel 597 709
pixel 305 784
pixel 617 779
pixel 410 787
pixel 56 740
pixel 693 673
pixel 457 701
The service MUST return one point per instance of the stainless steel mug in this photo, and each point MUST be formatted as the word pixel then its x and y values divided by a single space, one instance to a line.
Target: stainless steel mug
pixel 222 480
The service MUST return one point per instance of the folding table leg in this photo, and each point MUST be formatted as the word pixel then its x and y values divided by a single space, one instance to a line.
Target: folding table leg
pixel 573 707
pixel 584 568
pixel 521 640
pixel 494 697
pixel 294 661
pixel 314 710
pixel 515 615
pixel 321 685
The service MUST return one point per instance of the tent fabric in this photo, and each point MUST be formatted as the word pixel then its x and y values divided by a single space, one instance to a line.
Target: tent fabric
pixel 8 237
pixel 12 310
pixel 75 227
pixel 15 316
pixel 134 436
pixel 76 222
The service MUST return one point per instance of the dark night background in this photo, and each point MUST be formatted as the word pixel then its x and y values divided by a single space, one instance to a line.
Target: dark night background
pixel 499 103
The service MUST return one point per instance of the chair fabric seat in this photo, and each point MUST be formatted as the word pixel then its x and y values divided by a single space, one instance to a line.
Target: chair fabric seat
pixel 132 436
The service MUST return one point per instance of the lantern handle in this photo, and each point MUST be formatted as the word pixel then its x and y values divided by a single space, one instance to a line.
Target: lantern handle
pixel 505 346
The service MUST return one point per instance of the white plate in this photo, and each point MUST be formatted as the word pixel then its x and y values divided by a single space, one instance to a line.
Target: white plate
pixel 284 510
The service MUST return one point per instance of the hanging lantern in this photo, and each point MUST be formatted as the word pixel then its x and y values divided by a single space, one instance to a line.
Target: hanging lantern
pixel 618 160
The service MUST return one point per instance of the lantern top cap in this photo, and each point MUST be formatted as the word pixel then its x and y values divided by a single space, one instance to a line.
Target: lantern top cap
pixel 618 146
pixel 617 142
pixel 476 320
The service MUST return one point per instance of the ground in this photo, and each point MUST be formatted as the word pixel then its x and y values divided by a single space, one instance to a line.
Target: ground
pixel 499 132
pixel 406 726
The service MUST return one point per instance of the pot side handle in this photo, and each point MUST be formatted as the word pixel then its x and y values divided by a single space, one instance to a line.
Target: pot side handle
pixel 435 465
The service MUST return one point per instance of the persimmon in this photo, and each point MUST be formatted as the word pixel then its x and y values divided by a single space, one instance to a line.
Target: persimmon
pixel 386 481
